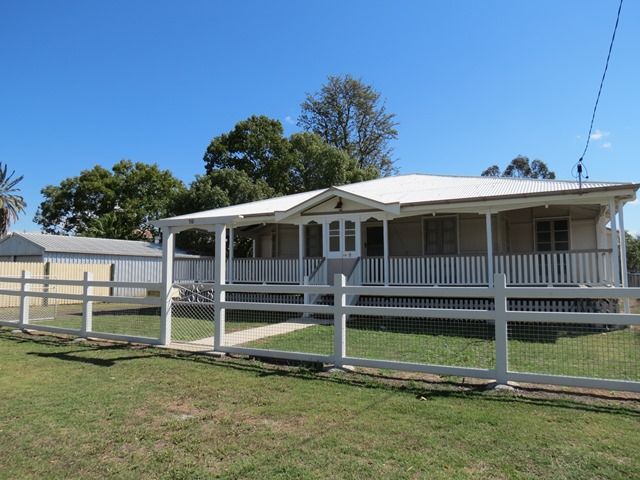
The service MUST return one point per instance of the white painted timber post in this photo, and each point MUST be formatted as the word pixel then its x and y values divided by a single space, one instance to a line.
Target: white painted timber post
pixel 489 230
pixel 168 246
pixel 623 254
pixel 615 259
pixel 301 272
pixel 502 344
pixel 24 299
pixel 219 293
pixel 385 240
pixel 339 320
pixel 87 305
pixel 231 270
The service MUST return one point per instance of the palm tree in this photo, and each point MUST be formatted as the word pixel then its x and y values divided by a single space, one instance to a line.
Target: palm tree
pixel 11 204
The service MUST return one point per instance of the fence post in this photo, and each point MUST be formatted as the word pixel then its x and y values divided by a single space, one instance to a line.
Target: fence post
pixel 87 305
pixel 502 347
pixel 24 300
pixel 168 245
pixel 339 320
pixel 219 294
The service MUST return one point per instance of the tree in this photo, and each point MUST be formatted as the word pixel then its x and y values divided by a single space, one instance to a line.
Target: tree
pixel 350 115
pixel 117 203
pixel 520 167
pixel 11 204
pixel 322 165
pixel 257 147
pixel 633 252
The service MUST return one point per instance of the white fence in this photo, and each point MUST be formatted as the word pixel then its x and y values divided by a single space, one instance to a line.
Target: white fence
pixel 121 318
pixel 488 336
pixel 595 350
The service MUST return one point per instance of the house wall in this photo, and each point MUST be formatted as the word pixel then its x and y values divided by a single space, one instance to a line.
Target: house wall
pixel 512 232
pixel 520 226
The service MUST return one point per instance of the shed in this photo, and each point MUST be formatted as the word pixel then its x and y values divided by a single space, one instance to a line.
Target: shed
pixel 132 261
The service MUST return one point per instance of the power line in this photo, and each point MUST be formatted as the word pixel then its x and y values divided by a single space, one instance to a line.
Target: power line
pixel 579 165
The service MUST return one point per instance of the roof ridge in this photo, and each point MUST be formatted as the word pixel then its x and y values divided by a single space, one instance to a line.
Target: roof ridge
pixel 441 175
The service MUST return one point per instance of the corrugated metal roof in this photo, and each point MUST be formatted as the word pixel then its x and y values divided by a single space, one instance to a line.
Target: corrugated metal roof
pixel 419 188
pixel 260 207
pixel 414 189
pixel 92 246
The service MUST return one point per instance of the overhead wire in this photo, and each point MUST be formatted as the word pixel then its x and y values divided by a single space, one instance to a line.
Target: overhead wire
pixel 579 167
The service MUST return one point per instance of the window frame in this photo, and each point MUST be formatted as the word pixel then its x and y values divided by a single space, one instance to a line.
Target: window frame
pixel 423 223
pixel 536 220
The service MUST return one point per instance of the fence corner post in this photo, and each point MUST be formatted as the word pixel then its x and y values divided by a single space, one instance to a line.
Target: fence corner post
pixel 24 300
pixel 219 293
pixel 168 247
pixel 87 305
pixel 502 346
pixel 339 320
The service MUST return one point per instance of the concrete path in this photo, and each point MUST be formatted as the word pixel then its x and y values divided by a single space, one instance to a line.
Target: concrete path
pixel 244 336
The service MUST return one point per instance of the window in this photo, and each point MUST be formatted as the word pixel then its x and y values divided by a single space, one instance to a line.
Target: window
pixel 440 236
pixel 552 235
pixel 334 236
pixel 349 236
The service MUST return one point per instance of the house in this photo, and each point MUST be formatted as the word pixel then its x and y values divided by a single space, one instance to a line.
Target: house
pixel 428 230
pixel 132 261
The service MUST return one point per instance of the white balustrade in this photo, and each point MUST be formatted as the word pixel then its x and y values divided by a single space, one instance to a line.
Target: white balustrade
pixel 552 268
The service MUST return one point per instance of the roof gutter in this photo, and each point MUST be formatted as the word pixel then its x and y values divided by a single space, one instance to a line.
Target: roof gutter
pixel 633 186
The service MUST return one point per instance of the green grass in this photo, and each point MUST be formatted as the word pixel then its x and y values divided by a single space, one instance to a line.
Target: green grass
pixel 561 350
pixel 135 320
pixel 96 411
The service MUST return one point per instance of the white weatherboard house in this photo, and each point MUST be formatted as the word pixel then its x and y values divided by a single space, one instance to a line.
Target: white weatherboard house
pixel 425 230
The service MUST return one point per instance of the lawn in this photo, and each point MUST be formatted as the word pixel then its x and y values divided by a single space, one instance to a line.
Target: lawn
pixel 580 350
pixel 96 411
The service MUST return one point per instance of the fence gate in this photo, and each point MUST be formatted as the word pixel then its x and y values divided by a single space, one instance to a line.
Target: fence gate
pixel 192 314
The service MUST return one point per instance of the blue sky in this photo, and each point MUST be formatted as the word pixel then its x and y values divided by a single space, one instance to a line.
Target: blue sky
pixel 472 83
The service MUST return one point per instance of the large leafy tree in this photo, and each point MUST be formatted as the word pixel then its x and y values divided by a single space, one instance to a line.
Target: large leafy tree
pixel 322 165
pixel 350 115
pixel 117 203
pixel 521 167
pixel 11 202
pixel 257 147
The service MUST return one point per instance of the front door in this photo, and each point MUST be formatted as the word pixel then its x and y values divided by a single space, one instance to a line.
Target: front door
pixel 343 239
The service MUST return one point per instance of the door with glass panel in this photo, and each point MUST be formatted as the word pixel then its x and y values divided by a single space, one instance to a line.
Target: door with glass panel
pixel 343 238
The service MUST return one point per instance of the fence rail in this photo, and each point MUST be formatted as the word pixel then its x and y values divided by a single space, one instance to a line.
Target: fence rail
pixel 87 311
pixel 483 337
pixel 593 350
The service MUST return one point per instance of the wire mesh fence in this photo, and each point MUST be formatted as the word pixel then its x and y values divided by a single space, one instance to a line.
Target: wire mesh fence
pixel 47 312
pixel 279 330
pixel 461 343
pixel 126 319
pixel 582 350
pixel 10 310
pixel 192 321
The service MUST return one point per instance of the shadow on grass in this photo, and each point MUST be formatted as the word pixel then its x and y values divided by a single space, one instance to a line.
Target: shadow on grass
pixel 423 388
